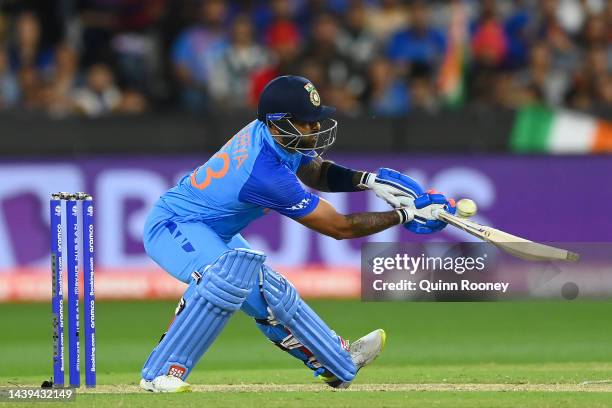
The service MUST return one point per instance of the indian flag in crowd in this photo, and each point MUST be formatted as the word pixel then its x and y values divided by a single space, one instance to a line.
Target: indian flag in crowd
pixel 544 129
pixel 451 82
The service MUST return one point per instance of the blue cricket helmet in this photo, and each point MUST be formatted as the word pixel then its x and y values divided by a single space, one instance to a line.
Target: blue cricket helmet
pixel 292 97
pixel 289 98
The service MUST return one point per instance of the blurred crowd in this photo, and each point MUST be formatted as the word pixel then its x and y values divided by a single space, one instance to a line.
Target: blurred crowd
pixel 376 57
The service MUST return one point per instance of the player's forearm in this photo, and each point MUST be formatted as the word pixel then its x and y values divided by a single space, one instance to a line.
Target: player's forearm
pixel 368 223
pixel 326 220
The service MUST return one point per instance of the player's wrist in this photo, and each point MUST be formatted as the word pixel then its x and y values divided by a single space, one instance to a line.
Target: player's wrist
pixel 405 215
pixel 366 180
pixel 342 179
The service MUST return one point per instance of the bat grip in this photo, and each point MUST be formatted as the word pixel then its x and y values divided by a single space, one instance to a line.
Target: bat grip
pixel 437 213
pixel 441 215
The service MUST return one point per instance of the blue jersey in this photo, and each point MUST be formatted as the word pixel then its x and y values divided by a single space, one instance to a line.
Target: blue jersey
pixel 250 174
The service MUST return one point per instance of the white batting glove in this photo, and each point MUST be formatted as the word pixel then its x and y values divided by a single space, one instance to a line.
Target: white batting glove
pixel 391 186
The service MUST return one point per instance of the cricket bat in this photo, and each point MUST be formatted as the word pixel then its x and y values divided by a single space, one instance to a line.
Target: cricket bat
pixel 517 246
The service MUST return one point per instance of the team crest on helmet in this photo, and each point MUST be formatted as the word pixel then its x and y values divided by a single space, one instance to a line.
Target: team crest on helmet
pixel 314 94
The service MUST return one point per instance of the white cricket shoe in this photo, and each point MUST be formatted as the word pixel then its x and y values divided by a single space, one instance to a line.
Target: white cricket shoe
pixel 366 349
pixel 363 351
pixel 165 383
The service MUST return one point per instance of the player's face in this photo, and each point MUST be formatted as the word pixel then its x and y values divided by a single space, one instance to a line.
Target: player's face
pixel 309 138
pixel 306 128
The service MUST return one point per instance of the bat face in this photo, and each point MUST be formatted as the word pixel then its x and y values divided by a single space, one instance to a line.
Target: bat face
pixel 517 246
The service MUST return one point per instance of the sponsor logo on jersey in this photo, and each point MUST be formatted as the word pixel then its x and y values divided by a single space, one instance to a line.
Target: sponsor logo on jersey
pixel 301 205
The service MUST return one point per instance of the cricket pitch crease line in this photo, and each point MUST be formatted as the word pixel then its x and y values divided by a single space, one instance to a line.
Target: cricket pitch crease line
pixel 592 386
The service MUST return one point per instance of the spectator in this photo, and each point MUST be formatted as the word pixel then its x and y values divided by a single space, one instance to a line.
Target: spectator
pixel 136 46
pixel 423 93
pixel 597 64
pixel 284 42
pixel 387 95
pixel 58 92
pixel 98 20
pixel 100 96
pixel 195 53
pixel 549 83
pixel 420 43
pixel 136 59
pixel 547 18
pixel 579 95
pixel 230 77
pixel 344 81
pixel 9 87
pixel 387 18
pixel 308 10
pixel 595 32
pixel 489 47
pixel 281 25
pixel 603 91
pixel 489 42
pixel 516 28
pixel 355 42
pixel 584 90
pixel 548 28
pixel 358 46
pixel 28 52
pixel 269 13
pixel 30 89
pixel 505 94
pixel 323 49
pixel 557 52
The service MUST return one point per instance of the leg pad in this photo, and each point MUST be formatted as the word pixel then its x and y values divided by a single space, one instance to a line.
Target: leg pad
pixel 288 309
pixel 219 291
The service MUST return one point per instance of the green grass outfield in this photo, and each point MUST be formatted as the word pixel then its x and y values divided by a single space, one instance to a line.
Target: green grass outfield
pixel 528 354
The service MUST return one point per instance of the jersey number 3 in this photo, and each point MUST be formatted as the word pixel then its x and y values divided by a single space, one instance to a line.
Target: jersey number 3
pixel 210 173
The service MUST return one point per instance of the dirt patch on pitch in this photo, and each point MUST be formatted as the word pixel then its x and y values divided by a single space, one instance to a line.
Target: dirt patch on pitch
pixel 599 386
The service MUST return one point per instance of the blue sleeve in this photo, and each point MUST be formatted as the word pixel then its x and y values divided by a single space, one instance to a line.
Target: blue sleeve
pixel 273 185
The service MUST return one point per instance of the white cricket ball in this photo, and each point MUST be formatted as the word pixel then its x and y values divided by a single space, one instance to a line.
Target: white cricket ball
pixel 466 207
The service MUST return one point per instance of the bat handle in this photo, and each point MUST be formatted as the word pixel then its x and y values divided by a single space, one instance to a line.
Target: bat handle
pixel 441 214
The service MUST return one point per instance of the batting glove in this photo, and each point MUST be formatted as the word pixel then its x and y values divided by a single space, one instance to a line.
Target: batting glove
pixel 397 189
pixel 420 218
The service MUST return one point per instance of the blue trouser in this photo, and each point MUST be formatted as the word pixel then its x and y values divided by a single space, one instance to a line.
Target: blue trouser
pixel 181 248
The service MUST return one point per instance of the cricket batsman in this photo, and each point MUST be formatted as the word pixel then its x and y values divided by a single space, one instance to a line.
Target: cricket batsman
pixel 193 232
